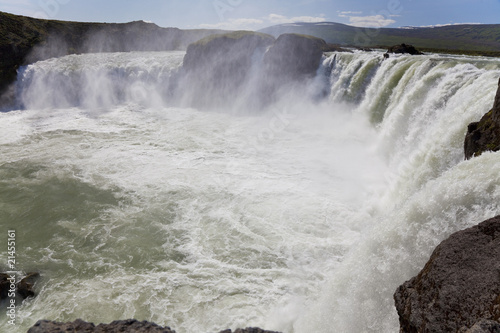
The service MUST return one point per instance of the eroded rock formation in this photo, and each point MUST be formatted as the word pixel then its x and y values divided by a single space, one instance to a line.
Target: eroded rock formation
pixel 404 49
pixel 23 288
pixel 118 326
pixel 459 286
pixel 484 135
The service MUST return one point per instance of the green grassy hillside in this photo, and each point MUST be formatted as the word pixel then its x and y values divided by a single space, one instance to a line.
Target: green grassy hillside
pixel 484 39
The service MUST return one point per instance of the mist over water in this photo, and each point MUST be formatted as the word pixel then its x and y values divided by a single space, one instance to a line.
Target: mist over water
pixel 302 217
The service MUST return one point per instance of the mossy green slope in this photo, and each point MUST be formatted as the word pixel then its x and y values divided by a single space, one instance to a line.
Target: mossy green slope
pixel 477 38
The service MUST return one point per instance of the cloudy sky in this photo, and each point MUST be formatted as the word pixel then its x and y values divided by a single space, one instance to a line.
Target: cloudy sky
pixel 257 14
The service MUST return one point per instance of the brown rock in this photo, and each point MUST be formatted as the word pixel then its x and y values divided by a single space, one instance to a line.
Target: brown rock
pixel 485 326
pixel 80 326
pixel 404 49
pixel 25 286
pixel 459 285
pixel 249 330
pixel 484 135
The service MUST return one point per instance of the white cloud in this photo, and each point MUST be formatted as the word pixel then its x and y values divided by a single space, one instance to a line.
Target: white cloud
pixel 259 23
pixel 348 13
pixel 369 21
pixel 373 21
pixel 444 25
pixel 280 19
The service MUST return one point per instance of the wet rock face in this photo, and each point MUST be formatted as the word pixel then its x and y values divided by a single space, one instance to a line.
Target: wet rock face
pixel 294 56
pixel 23 288
pixel 248 330
pixel 119 326
pixel 459 286
pixel 80 326
pixel 484 135
pixel 404 49
pixel 216 68
pixel 220 69
pixel 485 326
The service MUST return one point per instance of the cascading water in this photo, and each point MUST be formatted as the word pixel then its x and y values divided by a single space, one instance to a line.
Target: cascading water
pixel 302 218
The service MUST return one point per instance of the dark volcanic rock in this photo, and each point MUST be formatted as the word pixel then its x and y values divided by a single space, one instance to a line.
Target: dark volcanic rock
pixel 4 285
pixel 294 56
pixel 459 285
pixel 403 48
pixel 485 326
pixel 292 59
pixel 484 135
pixel 248 65
pixel 119 326
pixel 217 66
pixel 248 330
pixel 24 288
pixel 80 326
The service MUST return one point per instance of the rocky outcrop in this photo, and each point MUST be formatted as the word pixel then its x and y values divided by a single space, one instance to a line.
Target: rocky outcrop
pixel 294 57
pixel 484 135
pixel 118 326
pixel 80 326
pixel 485 326
pixel 459 287
pixel 247 67
pixel 23 288
pixel 216 67
pixel 404 49
pixel 248 330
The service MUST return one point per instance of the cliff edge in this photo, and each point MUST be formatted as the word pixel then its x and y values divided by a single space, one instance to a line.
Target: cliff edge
pixel 458 290
pixel 484 135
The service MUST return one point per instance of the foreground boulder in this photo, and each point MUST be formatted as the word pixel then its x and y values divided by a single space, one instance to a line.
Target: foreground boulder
pixel 118 326
pixel 248 330
pixel 80 326
pixel 458 288
pixel 404 49
pixel 485 326
pixel 484 135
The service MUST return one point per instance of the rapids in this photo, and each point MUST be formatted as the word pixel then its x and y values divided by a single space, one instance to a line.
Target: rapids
pixel 304 217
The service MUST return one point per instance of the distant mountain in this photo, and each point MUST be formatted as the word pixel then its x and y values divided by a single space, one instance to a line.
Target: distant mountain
pixel 465 37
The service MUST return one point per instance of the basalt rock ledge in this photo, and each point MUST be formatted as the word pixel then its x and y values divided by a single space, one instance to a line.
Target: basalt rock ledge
pixel 484 135
pixel 458 290
pixel 118 326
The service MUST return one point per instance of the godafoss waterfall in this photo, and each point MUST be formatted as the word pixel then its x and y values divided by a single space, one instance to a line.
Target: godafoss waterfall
pixel 203 202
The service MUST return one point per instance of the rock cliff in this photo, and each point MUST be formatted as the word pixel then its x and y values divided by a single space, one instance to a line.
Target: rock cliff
pixel 118 326
pixel 247 67
pixel 404 49
pixel 217 67
pixel 484 135
pixel 459 287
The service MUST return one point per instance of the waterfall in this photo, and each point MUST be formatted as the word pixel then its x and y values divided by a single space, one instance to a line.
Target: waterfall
pixel 304 217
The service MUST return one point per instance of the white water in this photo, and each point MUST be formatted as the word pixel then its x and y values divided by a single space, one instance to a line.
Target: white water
pixel 303 218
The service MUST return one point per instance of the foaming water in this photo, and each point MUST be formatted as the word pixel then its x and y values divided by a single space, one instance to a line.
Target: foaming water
pixel 296 219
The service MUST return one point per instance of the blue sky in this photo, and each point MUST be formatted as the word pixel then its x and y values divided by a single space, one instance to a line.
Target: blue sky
pixel 257 14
